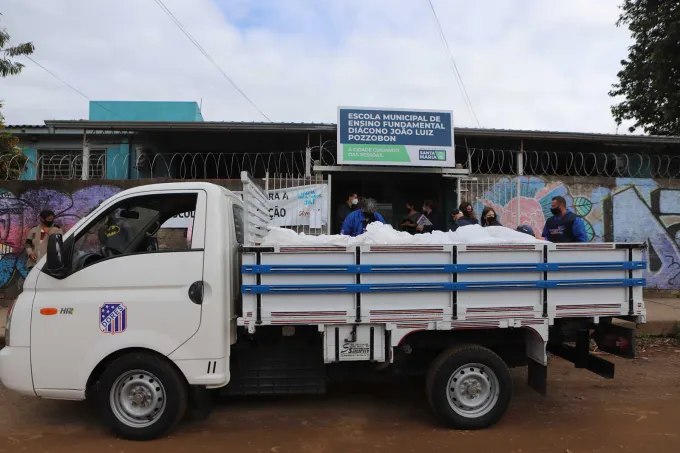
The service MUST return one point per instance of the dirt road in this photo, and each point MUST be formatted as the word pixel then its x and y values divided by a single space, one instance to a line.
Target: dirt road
pixel 636 412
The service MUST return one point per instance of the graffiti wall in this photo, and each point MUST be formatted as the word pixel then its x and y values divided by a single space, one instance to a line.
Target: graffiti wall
pixel 612 209
pixel 622 210
pixel 19 213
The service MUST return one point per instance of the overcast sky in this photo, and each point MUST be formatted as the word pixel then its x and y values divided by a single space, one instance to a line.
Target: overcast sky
pixel 526 64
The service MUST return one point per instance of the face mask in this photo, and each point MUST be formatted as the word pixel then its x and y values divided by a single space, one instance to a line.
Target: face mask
pixel 48 223
pixel 369 216
pixel 491 217
pixel 555 211
pixel 355 202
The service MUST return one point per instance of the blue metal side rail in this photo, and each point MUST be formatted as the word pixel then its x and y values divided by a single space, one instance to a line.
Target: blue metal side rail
pixel 443 286
pixel 439 268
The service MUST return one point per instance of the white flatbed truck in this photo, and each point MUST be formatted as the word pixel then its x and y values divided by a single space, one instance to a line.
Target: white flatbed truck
pixel 145 329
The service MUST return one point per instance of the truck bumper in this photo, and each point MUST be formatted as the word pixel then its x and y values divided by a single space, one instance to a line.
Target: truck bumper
pixel 15 369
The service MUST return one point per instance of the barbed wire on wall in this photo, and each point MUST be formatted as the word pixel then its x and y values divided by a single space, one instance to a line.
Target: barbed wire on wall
pixel 552 163
pixel 177 165
pixel 229 165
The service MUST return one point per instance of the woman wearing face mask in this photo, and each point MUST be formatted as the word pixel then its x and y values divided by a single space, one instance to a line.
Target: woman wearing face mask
pixel 36 242
pixel 489 218
pixel 466 216
pixel 410 222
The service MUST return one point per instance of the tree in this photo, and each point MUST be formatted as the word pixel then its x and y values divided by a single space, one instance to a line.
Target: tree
pixel 12 159
pixel 649 79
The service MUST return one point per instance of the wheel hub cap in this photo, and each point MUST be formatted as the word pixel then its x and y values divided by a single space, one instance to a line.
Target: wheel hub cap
pixel 473 390
pixel 137 398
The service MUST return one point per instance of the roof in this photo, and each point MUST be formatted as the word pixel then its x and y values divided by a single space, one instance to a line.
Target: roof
pixel 63 126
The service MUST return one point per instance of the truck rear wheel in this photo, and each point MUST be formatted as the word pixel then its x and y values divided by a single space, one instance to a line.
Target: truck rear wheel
pixel 469 387
pixel 141 396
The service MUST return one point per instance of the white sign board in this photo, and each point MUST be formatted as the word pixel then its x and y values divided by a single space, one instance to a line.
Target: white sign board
pixel 392 137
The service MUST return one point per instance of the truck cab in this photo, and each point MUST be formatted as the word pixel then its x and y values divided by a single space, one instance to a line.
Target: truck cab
pixel 115 293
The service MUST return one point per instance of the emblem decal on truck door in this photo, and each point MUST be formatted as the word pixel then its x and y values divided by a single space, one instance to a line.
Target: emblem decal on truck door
pixel 113 318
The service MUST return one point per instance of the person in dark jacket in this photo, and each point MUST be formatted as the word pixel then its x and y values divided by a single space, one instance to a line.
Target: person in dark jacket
pixel 468 215
pixel 436 221
pixel 410 222
pixel 348 206
pixel 489 218
pixel 357 221
pixel 564 225
pixel 526 229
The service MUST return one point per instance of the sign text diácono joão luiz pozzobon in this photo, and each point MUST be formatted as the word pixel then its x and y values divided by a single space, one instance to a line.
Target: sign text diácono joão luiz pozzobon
pixel 371 136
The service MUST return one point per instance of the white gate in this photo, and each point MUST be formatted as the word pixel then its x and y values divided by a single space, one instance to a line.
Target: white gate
pixel 498 192
pixel 301 203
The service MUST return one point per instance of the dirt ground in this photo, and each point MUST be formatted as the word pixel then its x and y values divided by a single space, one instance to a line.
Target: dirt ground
pixel 636 412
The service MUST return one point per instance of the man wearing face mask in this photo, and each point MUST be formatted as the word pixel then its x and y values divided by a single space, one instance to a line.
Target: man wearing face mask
pixel 436 222
pixel 36 242
pixel 348 206
pixel 564 225
pixel 356 222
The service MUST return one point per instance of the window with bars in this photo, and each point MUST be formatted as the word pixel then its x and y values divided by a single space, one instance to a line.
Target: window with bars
pixel 68 164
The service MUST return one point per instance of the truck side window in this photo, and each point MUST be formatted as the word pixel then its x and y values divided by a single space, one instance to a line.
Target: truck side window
pixel 239 224
pixel 151 223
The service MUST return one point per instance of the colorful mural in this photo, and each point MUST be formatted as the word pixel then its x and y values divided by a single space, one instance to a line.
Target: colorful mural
pixel 630 210
pixel 19 213
pixel 534 202
pixel 643 211
pixel 622 210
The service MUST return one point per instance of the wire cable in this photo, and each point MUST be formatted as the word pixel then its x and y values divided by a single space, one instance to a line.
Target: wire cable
pixel 459 79
pixel 200 48
pixel 69 85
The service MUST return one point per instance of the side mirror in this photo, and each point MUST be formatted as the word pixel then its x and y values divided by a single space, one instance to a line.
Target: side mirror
pixel 56 258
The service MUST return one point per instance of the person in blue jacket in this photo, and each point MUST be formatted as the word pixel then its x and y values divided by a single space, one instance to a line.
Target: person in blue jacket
pixel 466 216
pixel 355 223
pixel 564 225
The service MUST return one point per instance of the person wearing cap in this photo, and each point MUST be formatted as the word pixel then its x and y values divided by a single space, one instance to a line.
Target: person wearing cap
pixel 357 221
pixel 526 229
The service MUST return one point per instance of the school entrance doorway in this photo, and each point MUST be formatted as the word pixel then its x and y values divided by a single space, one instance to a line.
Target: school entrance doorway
pixel 392 190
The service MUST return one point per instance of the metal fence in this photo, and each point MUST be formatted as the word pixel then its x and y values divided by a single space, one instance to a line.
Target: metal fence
pixel 301 203
pixel 229 165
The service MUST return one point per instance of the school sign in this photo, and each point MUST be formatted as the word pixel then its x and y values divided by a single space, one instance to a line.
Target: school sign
pixel 370 136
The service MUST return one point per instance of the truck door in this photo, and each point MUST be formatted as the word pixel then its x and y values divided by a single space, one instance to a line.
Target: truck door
pixel 131 282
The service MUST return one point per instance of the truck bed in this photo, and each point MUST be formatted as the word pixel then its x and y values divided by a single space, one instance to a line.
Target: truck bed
pixel 442 287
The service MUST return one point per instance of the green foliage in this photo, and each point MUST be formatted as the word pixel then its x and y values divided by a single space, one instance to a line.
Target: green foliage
pixel 7 65
pixel 649 80
pixel 12 159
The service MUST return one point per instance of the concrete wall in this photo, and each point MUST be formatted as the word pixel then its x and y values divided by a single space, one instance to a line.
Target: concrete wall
pixel 624 210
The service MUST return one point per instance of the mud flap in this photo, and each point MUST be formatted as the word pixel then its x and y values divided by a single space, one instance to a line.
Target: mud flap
pixel 537 377
pixel 537 370
pixel 581 357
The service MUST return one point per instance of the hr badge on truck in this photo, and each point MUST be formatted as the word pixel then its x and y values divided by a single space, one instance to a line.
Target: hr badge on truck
pixel 113 318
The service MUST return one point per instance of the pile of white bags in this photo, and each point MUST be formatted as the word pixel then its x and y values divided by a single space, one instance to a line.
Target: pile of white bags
pixel 380 234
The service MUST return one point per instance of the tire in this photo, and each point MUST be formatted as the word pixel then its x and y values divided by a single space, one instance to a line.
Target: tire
pixel 142 396
pixel 474 401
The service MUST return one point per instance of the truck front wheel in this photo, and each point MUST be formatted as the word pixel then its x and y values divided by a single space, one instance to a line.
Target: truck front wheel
pixel 469 387
pixel 142 396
